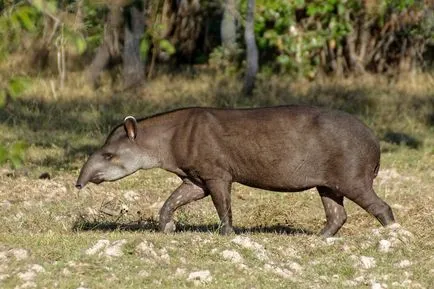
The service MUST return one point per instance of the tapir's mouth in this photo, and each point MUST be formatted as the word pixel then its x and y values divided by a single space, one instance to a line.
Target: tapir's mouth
pixel 96 181
pixel 80 185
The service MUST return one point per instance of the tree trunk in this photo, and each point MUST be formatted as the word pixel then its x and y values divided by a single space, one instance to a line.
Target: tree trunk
pixel 133 66
pixel 252 50
pixel 228 27
pixel 109 49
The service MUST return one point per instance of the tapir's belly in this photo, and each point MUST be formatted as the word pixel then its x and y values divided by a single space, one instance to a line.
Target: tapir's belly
pixel 285 175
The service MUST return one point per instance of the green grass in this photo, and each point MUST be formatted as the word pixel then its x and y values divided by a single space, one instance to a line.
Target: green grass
pixel 56 224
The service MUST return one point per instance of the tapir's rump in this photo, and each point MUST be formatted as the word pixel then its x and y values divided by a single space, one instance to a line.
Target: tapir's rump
pixel 286 148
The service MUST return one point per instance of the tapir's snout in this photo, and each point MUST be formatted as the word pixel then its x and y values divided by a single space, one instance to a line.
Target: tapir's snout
pixel 86 175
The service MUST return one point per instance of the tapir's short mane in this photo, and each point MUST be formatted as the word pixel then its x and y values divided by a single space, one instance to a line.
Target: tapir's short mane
pixel 116 130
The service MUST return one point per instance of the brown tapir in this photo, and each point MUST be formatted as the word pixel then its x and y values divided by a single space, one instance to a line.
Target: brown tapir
pixel 285 148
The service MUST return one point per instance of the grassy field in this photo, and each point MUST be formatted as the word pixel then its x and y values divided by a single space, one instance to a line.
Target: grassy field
pixel 54 236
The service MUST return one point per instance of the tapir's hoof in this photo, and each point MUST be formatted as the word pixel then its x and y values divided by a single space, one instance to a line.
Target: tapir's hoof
pixel 227 231
pixel 170 227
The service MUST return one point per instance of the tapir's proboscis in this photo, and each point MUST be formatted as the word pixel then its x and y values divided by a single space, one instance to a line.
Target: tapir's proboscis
pixel 285 149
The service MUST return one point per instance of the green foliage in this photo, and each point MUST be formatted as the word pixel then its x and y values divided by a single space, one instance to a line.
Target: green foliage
pixel 145 45
pixel 14 154
pixel 93 22
pixel 292 35
pixel 45 6
pixel 17 85
pixel 15 21
pixel 154 37
pixel 167 47
pixel 75 40
pixel 282 44
pixel 13 88
pixel 2 98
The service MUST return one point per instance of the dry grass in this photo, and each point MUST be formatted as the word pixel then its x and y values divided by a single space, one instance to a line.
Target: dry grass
pixel 56 225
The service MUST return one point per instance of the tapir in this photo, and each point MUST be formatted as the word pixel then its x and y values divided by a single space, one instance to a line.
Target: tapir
pixel 284 149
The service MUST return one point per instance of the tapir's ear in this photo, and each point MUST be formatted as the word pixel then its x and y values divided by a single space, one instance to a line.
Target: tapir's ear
pixel 130 125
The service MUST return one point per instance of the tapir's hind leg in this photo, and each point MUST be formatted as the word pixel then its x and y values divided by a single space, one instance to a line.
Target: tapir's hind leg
pixel 368 200
pixel 334 211
pixel 186 193
pixel 220 192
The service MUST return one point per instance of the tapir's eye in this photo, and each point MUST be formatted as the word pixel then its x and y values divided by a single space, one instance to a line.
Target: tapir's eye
pixel 107 156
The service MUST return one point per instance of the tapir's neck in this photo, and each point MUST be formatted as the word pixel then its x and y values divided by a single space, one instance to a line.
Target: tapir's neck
pixel 157 137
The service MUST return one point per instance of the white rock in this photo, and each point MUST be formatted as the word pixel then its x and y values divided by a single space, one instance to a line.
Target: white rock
pixel 131 196
pixel 144 273
pixel 20 254
pixel 291 252
pixel 376 232
pixel 350 283
pixel 278 271
pixel 394 226
pixel 376 285
pixel 384 246
pixel 27 284
pixel 156 205
pixel 247 243
pixel 201 276
pixel 100 244
pixel 359 279
pixel 4 276
pixel 397 206
pixel 180 272
pixel 165 257
pixel 332 240
pixel 27 276
pixel 3 257
pixel 295 266
pixel 37 268
pixel 232 256
pixel 147 249
pixel 5 204
pixel 367 262
pixel 346 248
pixel 115 250
pixel 403 264
pixel 66 272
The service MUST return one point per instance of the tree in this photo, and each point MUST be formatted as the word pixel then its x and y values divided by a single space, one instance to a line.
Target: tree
pixel 133 67
pixel 125 25
pixel 228 26
pixel 252 50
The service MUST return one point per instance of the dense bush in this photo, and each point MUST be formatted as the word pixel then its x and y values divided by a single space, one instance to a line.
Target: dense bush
pixel 342 36
pixel 299 37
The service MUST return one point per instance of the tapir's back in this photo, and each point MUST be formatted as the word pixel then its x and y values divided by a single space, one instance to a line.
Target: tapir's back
pixel 279 148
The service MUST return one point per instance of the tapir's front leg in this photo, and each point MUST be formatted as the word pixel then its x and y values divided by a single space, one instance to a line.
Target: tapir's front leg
pixel 186 193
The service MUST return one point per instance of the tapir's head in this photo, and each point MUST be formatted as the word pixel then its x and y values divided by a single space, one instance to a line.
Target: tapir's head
pixel 120 156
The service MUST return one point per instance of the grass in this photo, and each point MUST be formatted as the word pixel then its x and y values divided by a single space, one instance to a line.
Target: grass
pixel 57 224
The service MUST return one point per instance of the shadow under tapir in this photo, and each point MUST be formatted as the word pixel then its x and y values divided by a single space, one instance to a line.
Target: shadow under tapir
pixel 285 149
